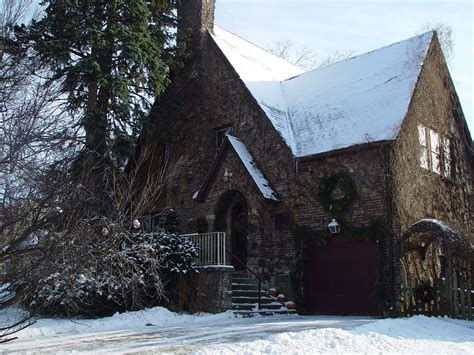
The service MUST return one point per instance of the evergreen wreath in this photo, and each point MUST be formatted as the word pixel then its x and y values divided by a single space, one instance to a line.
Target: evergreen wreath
pixel 327 186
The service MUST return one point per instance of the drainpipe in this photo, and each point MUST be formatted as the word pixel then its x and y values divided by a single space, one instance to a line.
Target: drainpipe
pixel 391 264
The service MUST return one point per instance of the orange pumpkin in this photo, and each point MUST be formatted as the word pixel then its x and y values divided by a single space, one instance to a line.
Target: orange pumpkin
pixel 272 292
pixel 281 298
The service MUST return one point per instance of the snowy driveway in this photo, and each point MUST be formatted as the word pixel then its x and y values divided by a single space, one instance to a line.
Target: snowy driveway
pixel 183 338
pixel 158 330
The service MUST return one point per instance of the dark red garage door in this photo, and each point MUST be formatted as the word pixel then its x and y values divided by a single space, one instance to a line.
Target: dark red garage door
pixel 340 278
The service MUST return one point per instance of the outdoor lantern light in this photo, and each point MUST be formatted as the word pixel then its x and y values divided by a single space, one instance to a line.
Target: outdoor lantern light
pixel 334 227
pixel 227 175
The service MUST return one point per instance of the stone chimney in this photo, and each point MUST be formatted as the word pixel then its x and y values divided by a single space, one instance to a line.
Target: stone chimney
pixel 198 16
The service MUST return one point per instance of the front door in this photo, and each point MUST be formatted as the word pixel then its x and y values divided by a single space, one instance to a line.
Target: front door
pixel 238 230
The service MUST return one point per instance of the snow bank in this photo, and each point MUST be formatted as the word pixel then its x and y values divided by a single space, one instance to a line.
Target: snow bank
pixel 157 316
pixel 413 335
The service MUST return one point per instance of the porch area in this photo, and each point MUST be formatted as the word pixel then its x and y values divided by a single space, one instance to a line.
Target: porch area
pixel 238 283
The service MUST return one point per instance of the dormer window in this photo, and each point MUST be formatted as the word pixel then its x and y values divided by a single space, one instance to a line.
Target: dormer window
pixel 220 135
pixel 436 152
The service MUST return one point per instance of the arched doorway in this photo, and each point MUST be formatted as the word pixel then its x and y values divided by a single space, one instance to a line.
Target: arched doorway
pixel 232 218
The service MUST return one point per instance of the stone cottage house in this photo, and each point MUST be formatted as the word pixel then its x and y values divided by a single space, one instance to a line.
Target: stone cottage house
pixel 271 155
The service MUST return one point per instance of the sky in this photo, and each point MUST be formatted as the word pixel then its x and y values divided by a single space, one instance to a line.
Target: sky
pixel 358 26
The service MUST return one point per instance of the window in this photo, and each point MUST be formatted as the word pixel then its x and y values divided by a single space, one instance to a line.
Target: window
pixel 220 135
pixel 283 221
pixel 435 152
pixel 447 158
pixel 424 162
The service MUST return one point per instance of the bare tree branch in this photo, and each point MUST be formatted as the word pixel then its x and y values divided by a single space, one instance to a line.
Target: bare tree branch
pixel 304 57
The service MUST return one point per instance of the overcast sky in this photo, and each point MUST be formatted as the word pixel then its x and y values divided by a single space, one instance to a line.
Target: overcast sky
pixel 329 26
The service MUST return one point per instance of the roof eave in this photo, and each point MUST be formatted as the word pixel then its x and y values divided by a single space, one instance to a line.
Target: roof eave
pixel 345 150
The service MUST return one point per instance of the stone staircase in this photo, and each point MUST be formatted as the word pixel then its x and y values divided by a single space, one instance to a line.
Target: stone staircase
pixel 245 298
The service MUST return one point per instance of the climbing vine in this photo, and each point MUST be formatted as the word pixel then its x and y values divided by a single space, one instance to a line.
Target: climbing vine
pixel 326 188
pixel 304 238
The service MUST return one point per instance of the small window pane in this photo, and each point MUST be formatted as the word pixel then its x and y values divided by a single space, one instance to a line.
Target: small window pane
pixel 447 157
pixel 422 135
pixel 435 163
pixel 424 158
pixel 283 221
pixel 447 169
pixel 434 139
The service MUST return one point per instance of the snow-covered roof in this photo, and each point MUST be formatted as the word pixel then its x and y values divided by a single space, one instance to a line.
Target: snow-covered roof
pixel 256 174
pixel 249 163
pixel 355 101
pixel 250 61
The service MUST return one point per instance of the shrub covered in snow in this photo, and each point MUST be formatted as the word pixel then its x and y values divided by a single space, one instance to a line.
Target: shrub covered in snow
pixel 119 270
pixel 178 254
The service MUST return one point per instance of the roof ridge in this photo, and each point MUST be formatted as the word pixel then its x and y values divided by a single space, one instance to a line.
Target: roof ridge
pixel 367 53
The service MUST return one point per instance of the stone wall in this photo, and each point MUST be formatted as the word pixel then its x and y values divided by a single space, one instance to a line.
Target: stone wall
pixel 217 288
pixel 368 169
pixel 417 192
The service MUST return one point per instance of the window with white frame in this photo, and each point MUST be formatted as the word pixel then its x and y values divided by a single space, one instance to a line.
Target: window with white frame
pixel 435 152
pixel 447 158
pixel 424 161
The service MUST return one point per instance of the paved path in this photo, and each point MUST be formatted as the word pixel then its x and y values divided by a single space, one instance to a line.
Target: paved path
pixel 182 338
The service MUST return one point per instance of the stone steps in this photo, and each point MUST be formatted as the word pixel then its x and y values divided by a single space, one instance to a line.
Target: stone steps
pixel 245 298
pixel 239 286
pixel 264 312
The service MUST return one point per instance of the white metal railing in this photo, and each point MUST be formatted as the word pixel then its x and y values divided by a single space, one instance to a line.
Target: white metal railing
pixel 211 247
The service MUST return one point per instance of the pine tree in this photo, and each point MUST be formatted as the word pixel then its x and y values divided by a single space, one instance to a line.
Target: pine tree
pixel 110 57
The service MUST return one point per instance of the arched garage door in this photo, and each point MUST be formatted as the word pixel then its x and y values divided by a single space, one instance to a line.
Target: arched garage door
pixel 340 278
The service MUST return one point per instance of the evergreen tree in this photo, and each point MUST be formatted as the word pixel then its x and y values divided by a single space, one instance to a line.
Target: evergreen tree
pixel 110 57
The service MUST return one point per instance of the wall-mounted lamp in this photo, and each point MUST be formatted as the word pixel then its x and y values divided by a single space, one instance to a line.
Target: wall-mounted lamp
pixel 334 227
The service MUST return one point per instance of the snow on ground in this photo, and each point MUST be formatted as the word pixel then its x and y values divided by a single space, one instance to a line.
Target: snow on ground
pixel 157 316
pixel 416 335
pixel 159 330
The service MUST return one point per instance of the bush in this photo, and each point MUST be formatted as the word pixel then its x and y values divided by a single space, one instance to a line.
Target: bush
pixel 105 277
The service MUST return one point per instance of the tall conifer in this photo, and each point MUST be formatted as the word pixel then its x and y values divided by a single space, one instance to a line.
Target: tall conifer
pixel 111 58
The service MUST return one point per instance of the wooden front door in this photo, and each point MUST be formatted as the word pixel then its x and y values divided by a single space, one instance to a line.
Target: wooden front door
pixel 238 224
pixel 340 278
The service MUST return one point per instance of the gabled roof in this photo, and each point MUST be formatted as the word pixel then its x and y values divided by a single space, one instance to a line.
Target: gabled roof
pixel 249 164
pixel 250 61
pixel 359 100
